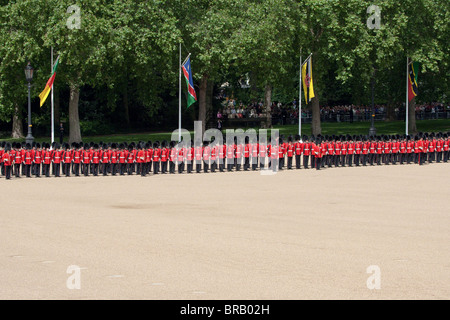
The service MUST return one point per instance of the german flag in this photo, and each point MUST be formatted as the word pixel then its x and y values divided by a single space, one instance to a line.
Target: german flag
pixel 413 70
pixel 44 94
pixel 307 80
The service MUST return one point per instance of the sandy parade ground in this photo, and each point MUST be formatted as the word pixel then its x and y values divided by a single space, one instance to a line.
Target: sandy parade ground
pixel 298 234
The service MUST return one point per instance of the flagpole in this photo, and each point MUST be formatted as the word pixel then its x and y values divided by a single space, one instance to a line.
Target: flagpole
pixel 300 100
pixel 52 105
pixel 179 99
pixel 407 102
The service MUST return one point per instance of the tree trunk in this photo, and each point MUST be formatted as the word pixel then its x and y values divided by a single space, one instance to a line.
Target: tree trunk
pixel 209 101
pixel 202 100
pixel 390 112
pixel 316 128
pixel 412 129
pixel 267 105
pixel 17 128
pixel 57 109
pixel 74 119
pixel 126 104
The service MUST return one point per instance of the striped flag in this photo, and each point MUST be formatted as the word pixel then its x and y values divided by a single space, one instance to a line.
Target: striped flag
pixel 307 80
pixel 413 70
pixel 44 94
pixel 192 97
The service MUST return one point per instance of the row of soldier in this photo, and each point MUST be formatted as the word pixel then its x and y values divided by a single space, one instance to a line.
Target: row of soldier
pixel 142 158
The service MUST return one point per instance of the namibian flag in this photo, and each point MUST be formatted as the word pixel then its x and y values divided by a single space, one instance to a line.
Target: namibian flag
pixel 44 94
pixel 192 97
pixel 307 80
pixel 413 70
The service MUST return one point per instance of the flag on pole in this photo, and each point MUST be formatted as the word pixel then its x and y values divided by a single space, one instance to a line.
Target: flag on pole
pixel 192 97
pixel 44 94
pixel 307 80
pixel 413 70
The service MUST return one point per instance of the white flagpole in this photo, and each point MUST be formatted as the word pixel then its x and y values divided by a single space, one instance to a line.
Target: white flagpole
pixel 179 99
pixel 52 108
pixel 300 100
pixel 407 102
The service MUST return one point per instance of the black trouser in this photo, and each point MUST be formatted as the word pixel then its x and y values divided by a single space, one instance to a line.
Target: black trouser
pixel 198 166
pixel 142 169
pixel 103 168
pixel 66 169
pixel 17 170
pixel 189 167
pixel 349 159
pixel 229 164
pixel 113 168
pixel 156 167
pixel 378 158
pixel 28 170
pixel 85 169
pixel 37 170
pixel 181 167
pixel 7 172
pixel 281 163
pixel 172 167
pixel 56 169
pixel 297 161
pixel 206 166
pixel 95 169
pixel 364 159
pixel 237 162
pixel 446 155
pixel 221 165
pixel 305 161
pixel 2 168
pixel 357 158
pixel 76 169
pixel 289 164
pixel 343 159
pixel 318 163
pixel 46 170
pixel 422 158
pixel 163 167
pixel 262 162
pixel 122 168
pixel 246 163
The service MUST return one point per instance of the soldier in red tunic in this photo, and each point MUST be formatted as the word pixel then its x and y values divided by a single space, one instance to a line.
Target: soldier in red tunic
pixel 247 148
pixel 358 150
pixel 57 159
pixel 172 157
pixel 262 152
pixel 306 151
pixel 290 150
pixel 46 156
pixel 190 156
pixel 317 152
pixel 37 160
pixel 140 159
pixel 206 154
pixel 164 156
pixel 298 148
pixel 446 146
pixel 156 157
pixel 7 161
pixel 230 156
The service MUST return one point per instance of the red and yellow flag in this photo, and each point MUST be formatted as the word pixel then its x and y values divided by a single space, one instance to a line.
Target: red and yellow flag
pixel 44 94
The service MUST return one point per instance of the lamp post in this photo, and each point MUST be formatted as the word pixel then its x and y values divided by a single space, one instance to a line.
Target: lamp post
pixel 372 130
pixel 29 76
